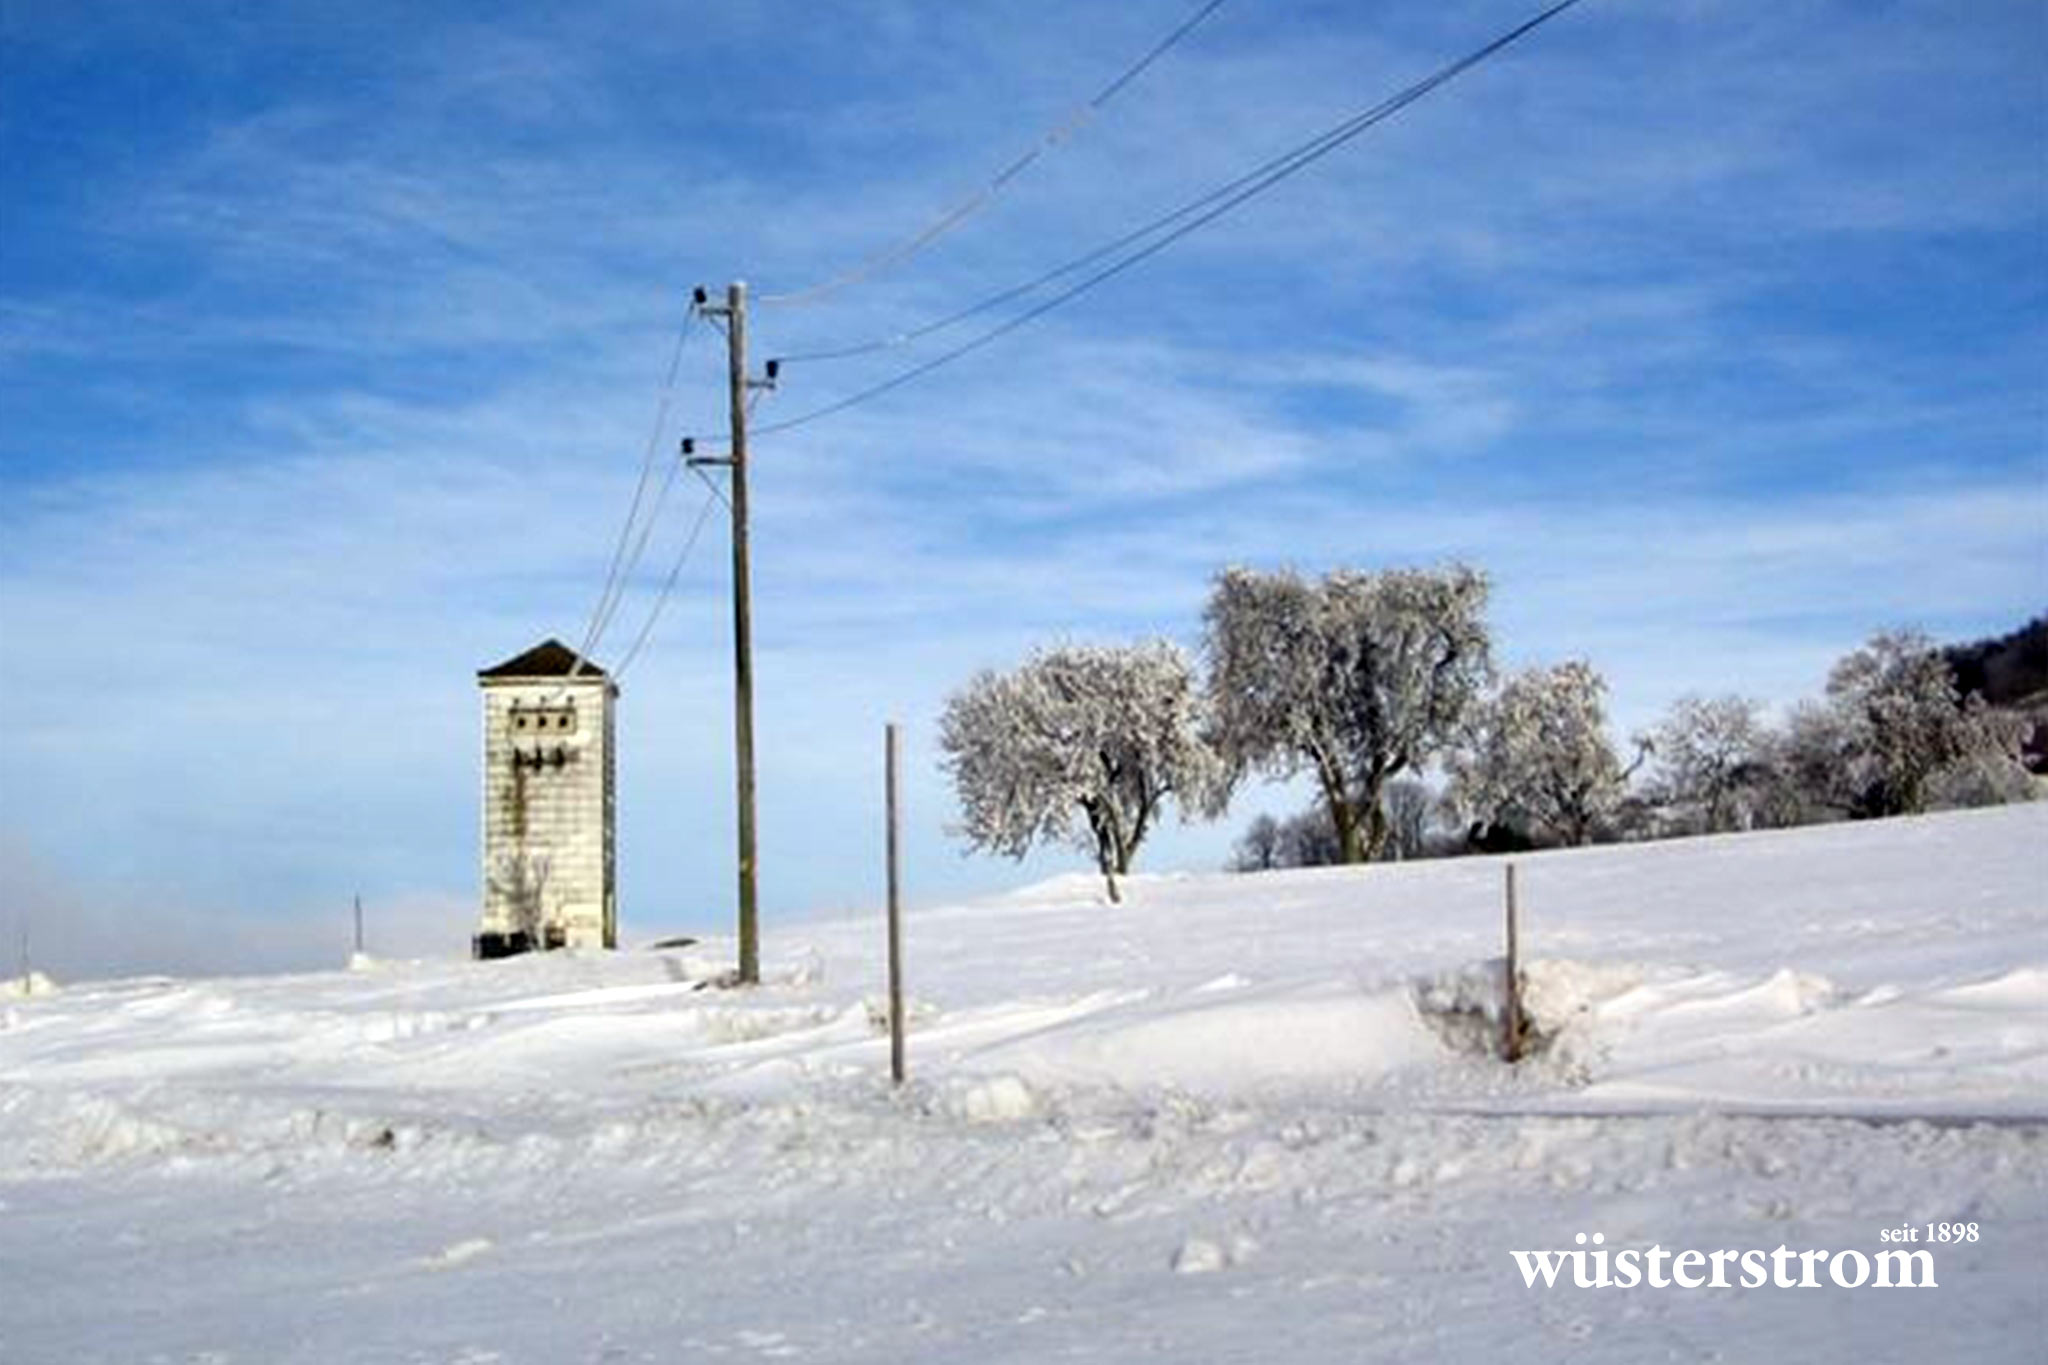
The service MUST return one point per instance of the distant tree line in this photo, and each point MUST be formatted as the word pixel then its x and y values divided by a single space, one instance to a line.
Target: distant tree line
pixel 1380 686
pixel 2011 672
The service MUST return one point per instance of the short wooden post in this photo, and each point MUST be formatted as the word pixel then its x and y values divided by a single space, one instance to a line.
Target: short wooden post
pixel 896 1069
pixel 1511 1017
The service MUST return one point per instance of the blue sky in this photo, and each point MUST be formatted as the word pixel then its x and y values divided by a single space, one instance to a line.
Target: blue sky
pixel 331 338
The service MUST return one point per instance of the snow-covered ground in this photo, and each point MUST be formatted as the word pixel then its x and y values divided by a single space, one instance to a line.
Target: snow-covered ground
pixel 1236 1118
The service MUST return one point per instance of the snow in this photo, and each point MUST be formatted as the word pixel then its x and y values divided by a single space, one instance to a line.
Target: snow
pixel 26 985
pixel 1235 1118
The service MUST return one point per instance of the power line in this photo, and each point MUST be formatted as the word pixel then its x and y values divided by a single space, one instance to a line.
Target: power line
pixel 668 585
pixel 712 484
pixel 1137 69
pixel 1189 217
pixel 639 549
pixel 621 564
pixel 973 203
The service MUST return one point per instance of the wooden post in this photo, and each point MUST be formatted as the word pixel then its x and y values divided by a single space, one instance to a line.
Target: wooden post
pixel 895 912
pixel 742 630
pixel 1511 1019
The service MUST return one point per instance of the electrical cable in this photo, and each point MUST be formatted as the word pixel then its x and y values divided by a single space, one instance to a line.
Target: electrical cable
pixel 973 203
pixel 621 564
pixel 668 585
pixel 1189 217
pixel 712 484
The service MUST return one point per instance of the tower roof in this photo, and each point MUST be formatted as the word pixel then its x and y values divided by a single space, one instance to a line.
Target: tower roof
pixel 548 659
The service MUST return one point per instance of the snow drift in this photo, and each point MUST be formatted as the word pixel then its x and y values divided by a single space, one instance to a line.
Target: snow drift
pixel 1276 1083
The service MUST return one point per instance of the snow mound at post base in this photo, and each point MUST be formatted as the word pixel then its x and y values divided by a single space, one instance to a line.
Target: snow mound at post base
pixel 27 987
pixel 1466 1008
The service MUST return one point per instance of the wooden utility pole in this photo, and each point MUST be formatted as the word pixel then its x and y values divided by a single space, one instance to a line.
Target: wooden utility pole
pixel 895 911
pixel 742 631
pixel 738 386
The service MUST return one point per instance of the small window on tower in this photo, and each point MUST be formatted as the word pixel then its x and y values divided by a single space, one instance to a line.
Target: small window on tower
pixel 558 717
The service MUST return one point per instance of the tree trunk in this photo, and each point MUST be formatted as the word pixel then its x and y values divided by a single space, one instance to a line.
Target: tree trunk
pixel 1578 818
pixel 1138 831
pixel 1351 849
pixel 1343 815
pixel 1371 814
pixel 1111 855
pixel 1375 827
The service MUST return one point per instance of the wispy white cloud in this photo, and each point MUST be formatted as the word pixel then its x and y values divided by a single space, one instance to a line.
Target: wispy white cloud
pixel 317 713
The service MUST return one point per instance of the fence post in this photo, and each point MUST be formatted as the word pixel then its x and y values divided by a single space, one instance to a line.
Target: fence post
pixel 896 1069
pixel 1511 1018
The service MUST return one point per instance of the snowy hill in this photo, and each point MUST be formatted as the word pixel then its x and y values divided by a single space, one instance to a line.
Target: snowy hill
pixel 1238 1117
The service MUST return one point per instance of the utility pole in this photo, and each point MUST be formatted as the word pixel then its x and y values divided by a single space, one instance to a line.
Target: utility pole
pixel 738 386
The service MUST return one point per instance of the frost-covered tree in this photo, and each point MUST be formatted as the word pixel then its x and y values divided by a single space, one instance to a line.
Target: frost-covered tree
pixel 1904 732
pixel 1537 756
pixel 1985 778
pixel 1811 781
pixel 1082 745
pixel 1358 678
pixel 1259 848
pixel 1711 760
pixel 1308 839
pixel 1410 804
pixel 1305 839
